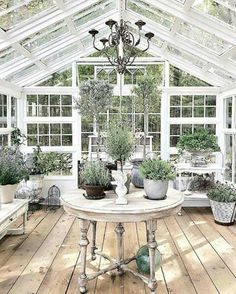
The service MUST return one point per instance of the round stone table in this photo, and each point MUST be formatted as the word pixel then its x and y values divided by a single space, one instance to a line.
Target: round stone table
pixel 138 209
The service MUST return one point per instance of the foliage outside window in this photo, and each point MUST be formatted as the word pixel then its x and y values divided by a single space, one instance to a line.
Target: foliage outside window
pixel 179 78
pixel 193 106
pixel 62 78
pixel 44 105
pixel 49 134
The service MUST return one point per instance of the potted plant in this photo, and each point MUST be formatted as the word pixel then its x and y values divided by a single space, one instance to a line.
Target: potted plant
pixel 223 203
pixel 147 100
pixel 199 144
pixel 95 177
pixel 156 174
pixel 119 142
pixel 95 98
pixel 12 171
pixel 40 164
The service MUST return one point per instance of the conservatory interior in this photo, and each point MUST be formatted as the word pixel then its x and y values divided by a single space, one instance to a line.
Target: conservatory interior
pixel 118 146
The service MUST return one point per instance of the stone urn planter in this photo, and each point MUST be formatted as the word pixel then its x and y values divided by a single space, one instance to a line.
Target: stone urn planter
pixel 35 184
pixel 199 158
pixel 136 178
pixel 7 193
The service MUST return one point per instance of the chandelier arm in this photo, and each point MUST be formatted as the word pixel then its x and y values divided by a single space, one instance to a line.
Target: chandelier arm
pixel 132 47
pixel 148 45
pixel 109 58
pixel 94 46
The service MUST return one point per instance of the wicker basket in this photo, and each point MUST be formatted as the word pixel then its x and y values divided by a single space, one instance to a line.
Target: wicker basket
pixel 224 213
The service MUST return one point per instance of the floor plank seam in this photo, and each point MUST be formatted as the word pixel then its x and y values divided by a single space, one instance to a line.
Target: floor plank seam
pixel 35 251
pixel 55 255
pixel 210 243
pixel 179 254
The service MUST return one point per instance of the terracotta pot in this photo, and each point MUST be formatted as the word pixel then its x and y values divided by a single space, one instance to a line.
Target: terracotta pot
pixel 94 192
pixel 7 193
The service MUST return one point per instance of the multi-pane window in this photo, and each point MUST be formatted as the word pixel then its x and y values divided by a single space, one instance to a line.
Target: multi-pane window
pixel 193 106
pixel 3 111
pixel 176 130
pixel 43 105
pixel 49 134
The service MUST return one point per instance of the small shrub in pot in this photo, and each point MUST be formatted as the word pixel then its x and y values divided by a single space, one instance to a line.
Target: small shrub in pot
pixel 95 177
pixel 156 174
pixel 223 203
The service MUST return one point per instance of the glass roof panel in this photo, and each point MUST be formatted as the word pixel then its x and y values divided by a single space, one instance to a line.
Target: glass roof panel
pixel 216 10
pixel 228 3
pixel 26 71
pixel 93 11
pixel 187 56
pixel 59 55
pixel 43 37
pixel 223 74
pixel 155 40
pixel 180 1
pixel 151 12
pixel 8 55
pixel 204 38
pixel 24 12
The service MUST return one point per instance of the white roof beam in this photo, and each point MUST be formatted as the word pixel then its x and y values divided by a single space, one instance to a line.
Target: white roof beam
pixel 188 4
pixel 197 19
pixel 10 88
pixel 15 35
pixel 228 54
pixel 70 24
pixel 180 43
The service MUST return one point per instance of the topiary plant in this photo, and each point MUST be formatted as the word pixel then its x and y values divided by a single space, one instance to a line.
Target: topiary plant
pixel 119 142
pixel 95 98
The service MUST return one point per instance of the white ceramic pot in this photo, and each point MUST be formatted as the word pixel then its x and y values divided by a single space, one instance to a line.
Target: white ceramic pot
pixel 7 193
pixel 155 190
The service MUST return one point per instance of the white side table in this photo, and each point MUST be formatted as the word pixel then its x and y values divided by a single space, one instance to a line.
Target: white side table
pixel 138 209
pixel 9 213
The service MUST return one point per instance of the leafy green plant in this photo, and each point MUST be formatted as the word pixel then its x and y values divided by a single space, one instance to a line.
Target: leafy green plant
pixel 13 168
pixel 222 192
pixel 147 100
pixel 119 142
pixel 201 140
pixel 94 173
pixel 95 98
pixel 48 162
pixel 157 170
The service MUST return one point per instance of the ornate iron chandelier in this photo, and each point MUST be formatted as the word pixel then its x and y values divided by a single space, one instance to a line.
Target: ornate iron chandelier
pixel 120 47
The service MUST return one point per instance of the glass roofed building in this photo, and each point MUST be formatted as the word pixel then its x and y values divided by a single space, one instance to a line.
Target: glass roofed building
pixel 49 49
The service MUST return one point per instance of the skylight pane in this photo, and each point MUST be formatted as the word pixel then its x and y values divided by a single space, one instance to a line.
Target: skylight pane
pixel 223 74
pixel 187 56
pixel 23 73
pixel 60 55
pixel 93 12
pixel 155 40
pixel 204 38
pixel 8 55
pixel 151 12
pixel 24 12
pixel 228 3
pixel 42 38
pixel 216 10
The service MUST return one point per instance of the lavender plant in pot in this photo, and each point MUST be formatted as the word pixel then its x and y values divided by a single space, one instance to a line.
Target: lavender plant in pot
pixel 13 170
pixel 95 177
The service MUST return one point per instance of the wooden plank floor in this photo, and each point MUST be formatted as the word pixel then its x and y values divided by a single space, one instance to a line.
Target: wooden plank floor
pixel 198 256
